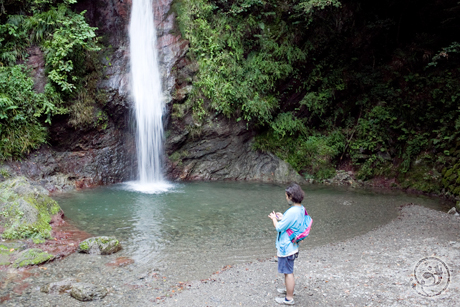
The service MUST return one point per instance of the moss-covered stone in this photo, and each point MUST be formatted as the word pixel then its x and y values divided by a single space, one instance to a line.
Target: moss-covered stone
pixel 423 177
pixel 8 248
pixel 31 256
pixel 100 245
pixel 25 209
pixel 451 177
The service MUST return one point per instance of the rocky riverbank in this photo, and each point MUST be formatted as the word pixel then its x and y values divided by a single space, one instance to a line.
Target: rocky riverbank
pixel 375 269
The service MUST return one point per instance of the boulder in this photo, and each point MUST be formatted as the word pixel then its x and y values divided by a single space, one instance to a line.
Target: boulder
pixel 87 291
pixel 9 250
pixel 59 287
pixel 25 209
pixel 452 211
pixel 221 149
pixel 31 256
pixel 343 178
pixel 100 246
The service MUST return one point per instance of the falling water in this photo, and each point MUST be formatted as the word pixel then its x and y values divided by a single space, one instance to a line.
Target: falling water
pixel 148 98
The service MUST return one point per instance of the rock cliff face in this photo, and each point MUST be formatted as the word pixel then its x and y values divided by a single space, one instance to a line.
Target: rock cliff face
pixel 83 157
pixel 222 151
pixel 87 157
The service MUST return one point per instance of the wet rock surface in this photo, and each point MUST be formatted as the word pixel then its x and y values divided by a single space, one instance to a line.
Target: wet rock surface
pixel 59 287
pixel 222 151
pixel 100 246
pixel 87 292
pixel 376 268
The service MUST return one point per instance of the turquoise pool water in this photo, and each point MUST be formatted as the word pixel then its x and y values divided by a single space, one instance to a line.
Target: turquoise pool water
pixel 194 229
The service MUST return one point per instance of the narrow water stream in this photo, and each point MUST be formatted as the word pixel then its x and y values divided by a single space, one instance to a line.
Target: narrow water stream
pixel 194 229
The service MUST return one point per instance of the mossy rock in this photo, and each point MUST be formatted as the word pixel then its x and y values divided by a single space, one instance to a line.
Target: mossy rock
pixel 31 256
pixel 8 248
pixel 424 177
pixel 25 209
pixel 4 260
pixel 8 251
pixel 100 246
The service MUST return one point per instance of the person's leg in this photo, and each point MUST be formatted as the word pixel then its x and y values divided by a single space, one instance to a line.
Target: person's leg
pixel 289 280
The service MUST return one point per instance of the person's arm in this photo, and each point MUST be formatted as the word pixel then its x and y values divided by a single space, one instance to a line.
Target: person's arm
pixel 285 222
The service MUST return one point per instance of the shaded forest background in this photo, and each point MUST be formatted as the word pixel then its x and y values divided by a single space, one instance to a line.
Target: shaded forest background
pixel 372 87
pixel 361 85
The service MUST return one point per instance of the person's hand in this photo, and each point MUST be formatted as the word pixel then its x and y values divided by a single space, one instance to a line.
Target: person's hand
pixel 279 215
pixel 272 215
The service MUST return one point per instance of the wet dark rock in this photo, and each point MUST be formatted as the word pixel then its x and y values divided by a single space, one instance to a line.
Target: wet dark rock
pixel 87 291
pixel 31 256
pixel 100 246
pixel 221 150
pixel 59 287
pixel 36 62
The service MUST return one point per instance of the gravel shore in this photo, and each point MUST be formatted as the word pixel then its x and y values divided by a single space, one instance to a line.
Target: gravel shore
pixel 375 269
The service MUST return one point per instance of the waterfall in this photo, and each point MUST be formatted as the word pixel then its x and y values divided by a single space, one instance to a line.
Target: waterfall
pixel 148 97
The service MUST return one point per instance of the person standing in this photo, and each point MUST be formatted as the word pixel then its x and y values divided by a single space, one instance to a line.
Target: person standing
pixel 288 251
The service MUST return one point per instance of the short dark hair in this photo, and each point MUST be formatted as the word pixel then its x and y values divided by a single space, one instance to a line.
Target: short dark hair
pixel 295 193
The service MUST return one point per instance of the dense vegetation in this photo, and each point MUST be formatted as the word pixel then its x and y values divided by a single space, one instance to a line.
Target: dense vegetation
pixel 66 41
pixel 372 86
pixel 351 84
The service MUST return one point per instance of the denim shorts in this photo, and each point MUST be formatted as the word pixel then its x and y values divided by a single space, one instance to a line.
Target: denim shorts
pixel 286 264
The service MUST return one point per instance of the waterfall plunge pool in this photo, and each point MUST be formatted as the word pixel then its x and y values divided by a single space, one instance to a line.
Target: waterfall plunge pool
pixel 194 229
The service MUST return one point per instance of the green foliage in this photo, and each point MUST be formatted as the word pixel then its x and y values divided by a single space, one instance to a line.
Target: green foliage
pixel 63 34
pixel 65 39
pixel 444 53
pixel 302 71
pixel 309 154
pixel 240 60
pixel 21 110
pixel 71 37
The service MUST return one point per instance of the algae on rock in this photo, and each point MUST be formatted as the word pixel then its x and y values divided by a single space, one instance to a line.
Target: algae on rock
pixel 31 256
pixel 100 245
pixel 25 209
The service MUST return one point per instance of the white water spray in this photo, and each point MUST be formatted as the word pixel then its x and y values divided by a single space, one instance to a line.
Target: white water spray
pixel 148 98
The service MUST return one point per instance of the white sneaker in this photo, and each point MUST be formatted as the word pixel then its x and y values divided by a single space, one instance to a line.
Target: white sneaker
pixel 283 300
